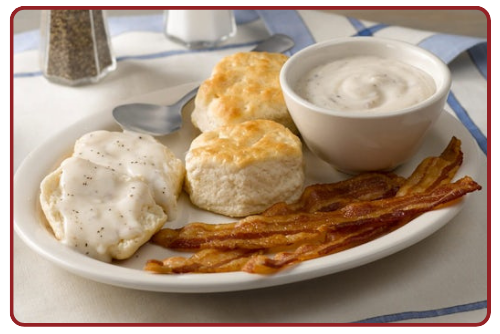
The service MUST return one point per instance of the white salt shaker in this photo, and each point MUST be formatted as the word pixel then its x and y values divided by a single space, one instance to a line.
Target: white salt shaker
pixel 199 29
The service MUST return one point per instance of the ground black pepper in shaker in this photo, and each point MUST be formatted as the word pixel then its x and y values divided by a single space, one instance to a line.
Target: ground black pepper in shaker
pixel 75 46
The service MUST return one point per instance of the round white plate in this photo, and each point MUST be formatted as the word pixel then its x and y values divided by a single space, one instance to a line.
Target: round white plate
pixel 30 225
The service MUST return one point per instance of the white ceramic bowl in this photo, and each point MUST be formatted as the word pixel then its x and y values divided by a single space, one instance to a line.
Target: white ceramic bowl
pixel 359 141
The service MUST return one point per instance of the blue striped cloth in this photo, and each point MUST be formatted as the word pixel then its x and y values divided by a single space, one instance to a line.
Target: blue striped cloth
pixel 296 24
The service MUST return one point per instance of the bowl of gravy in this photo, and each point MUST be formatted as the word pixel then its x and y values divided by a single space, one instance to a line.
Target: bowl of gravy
pixel 364 103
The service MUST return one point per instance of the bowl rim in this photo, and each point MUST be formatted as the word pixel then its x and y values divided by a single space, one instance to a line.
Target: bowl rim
pixel 440 93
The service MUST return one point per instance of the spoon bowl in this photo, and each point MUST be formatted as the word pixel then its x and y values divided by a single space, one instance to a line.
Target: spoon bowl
pixel 157 120
pixel 152 119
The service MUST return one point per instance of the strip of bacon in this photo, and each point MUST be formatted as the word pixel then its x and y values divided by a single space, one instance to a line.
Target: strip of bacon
pixel 205 261
pixel 333 196
pixel 337 242
pixel 255 232
pixel 433 171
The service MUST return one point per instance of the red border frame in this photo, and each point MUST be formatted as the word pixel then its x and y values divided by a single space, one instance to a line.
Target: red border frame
pixel 488 18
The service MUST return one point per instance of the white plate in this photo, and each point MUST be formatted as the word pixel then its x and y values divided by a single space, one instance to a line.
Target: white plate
pixel 29 224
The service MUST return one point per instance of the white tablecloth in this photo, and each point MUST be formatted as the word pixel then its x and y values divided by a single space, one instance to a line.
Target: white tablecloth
pixel 443 279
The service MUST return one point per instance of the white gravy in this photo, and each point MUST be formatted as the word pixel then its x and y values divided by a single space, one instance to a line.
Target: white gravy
pixel 366 83
pixel 134 154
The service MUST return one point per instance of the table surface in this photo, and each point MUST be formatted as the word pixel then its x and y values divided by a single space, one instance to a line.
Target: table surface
pixel 329 296
pixel 462 22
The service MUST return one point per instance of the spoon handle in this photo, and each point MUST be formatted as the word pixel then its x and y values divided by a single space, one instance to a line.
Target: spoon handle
pixel 276 43
pixel 186 98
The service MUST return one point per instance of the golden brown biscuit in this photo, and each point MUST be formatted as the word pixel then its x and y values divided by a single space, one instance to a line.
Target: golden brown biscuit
pixel 242 169
pixel 243 86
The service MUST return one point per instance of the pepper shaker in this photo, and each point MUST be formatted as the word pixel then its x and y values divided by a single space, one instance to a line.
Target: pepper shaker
pixel 199 29
pixel 75 46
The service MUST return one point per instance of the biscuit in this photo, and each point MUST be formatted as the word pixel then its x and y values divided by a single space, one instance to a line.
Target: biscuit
pixel 112 194
pixel 243 86
pixel 243 169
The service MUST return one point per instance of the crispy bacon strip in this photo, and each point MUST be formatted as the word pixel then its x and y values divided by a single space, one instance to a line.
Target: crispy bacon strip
pixel 205 261
pixel 433 171
pixel 337 242
pixel 255 232
pixel 333 196
pixel 367 223
pixel 256 262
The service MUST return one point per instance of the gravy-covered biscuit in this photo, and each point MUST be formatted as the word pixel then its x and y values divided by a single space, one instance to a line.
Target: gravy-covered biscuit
pixel 242 169
pixel 243 86
pixel 98 211
pixel 112 194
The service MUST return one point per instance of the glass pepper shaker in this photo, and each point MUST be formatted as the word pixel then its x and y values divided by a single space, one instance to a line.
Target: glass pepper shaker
pixel 75 46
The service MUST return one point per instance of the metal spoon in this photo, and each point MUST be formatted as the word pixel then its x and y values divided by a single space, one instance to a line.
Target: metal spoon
pixel 159 120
